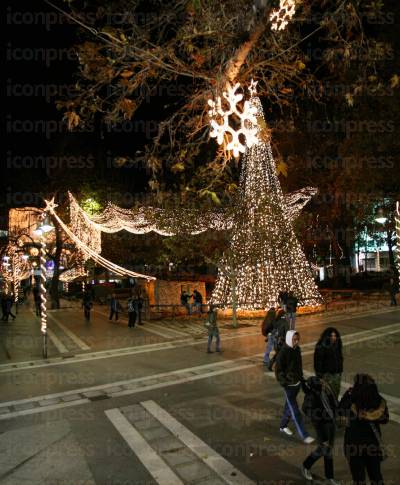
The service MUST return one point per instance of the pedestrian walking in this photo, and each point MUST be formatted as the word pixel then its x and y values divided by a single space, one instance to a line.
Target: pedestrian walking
pixel 289 374
pixel 115 307
pixel 9 302
pixel 213 330
pixel 276 338
pixel 198 301
pixel 365 410
pixel 185 301
pixel 132 313
pixel 328 358
pixel 320 406
pixel 291 309
pixel 282 299
pixel 87 305
pixel 37 300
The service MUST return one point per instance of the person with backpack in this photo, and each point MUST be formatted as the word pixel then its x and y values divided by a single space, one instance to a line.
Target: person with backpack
pixel 328 358
pixel 365 410
pixel 320 406
pixel 279 328
pixel 289 374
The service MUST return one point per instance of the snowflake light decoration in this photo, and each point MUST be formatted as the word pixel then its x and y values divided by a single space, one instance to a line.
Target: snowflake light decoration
pixel 248 121
pixel 280 18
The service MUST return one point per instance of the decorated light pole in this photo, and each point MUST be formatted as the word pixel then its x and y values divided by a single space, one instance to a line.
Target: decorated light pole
pixel 43 228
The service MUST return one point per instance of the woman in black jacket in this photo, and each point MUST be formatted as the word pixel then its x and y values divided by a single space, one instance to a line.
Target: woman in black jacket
pixel 328 358
pixel 365 410
pixel 320 405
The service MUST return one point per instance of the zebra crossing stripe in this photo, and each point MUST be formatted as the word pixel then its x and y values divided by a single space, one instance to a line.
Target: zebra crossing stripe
pixel 225 470
pixel 158 469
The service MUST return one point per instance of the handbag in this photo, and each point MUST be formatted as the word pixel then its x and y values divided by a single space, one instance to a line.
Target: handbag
pixel 378 437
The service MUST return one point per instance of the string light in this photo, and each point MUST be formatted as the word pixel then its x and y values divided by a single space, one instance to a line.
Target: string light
pixel 397 219
pixel 141 221
pixel 264 257
pixel 281 16
pixel 43 292
pixel 91 253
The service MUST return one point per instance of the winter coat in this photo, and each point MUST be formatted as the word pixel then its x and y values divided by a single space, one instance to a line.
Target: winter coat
pixel 289 365
pixel 359 433
pixel 328 359
pixel 268 322
pixel 320 404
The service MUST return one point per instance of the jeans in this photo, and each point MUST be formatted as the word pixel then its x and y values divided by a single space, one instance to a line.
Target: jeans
pixel 86 311
pixel 291 410
pixel 291 318
pixel 199 307
pixel 326 438
pixel 269 348
pixel 217 342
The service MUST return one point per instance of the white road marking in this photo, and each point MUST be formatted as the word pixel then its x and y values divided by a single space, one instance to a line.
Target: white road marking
pixel 158 469
pixel 210 457
pixel 80 343
pixel 52 407
pixel 215 369
pixel 57 342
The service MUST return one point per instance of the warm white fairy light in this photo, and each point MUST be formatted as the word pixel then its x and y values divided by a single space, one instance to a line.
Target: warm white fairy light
pixel 43 293
pixel 397 219
pixel 264 256
pixel 224 131
pixel 141 221
pixel 281 16
pixel 90 253
pixel 72 274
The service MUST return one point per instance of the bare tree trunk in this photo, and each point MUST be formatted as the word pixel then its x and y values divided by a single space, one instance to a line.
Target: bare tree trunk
pixel 234 299
pixel 234 65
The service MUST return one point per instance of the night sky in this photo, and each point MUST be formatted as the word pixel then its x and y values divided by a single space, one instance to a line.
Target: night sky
pixel 41 61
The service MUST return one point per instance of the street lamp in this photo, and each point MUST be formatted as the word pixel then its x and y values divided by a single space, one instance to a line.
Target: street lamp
pixel 380 217
pixel 42 229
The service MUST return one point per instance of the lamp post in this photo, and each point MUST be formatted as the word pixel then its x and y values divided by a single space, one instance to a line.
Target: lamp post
pixel 42 229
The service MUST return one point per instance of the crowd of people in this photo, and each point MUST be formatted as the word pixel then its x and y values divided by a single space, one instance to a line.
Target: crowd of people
pixel 361 410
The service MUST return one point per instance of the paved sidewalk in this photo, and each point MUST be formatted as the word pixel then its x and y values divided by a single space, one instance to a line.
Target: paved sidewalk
pixel 70 335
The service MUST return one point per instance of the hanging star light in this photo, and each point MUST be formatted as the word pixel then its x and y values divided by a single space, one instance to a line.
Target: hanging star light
pixel 237 139
pixel 281 16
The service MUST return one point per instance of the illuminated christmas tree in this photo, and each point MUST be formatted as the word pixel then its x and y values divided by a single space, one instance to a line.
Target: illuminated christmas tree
pixel 264 256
